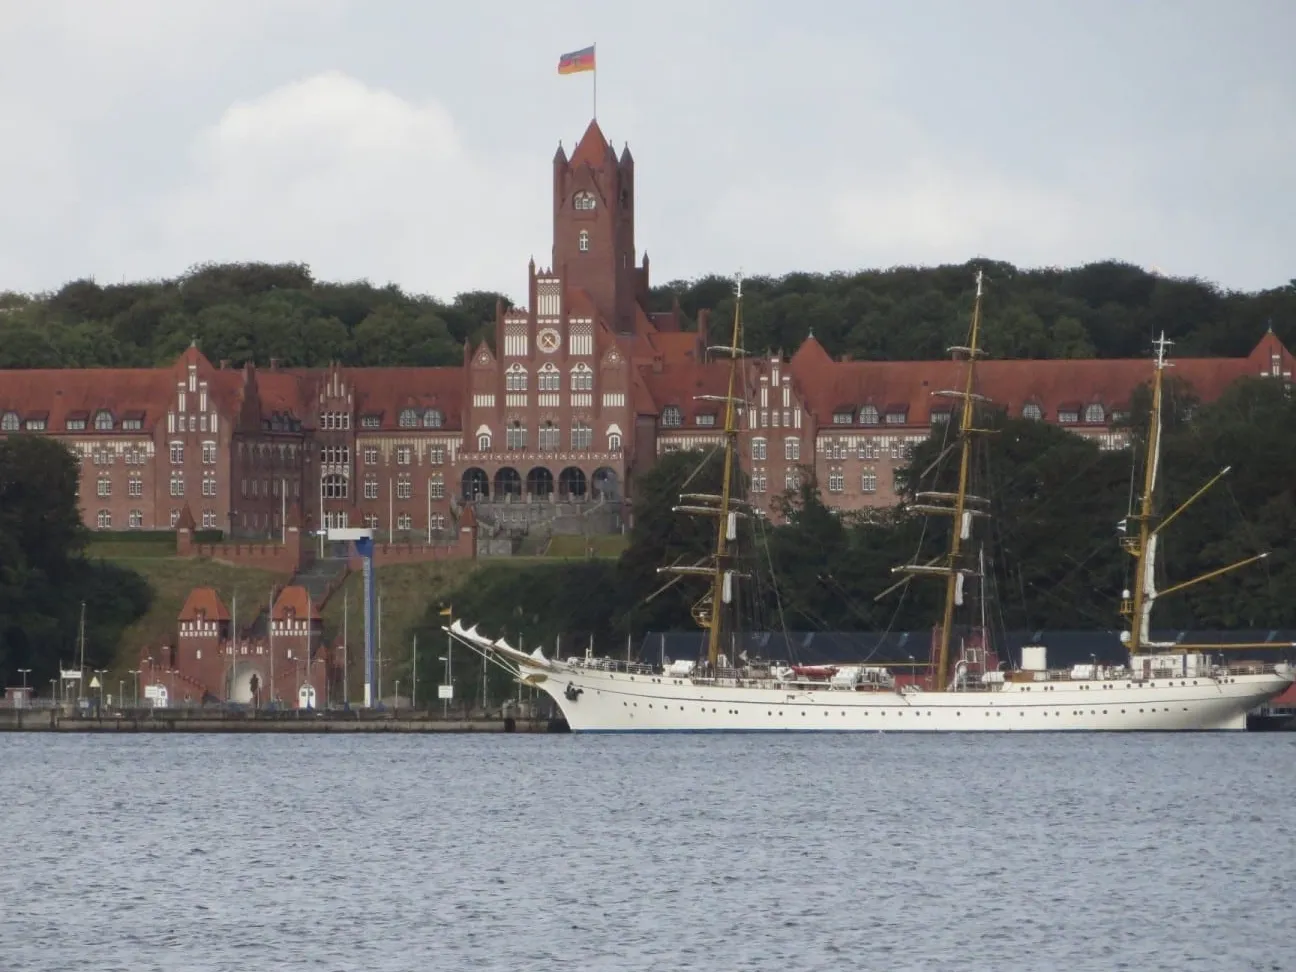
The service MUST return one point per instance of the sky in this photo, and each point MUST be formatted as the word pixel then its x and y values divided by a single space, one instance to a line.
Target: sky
pixel 410 141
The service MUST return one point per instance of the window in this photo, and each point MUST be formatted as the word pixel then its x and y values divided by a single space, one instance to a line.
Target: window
pixel 408 418
pixel 671 416
pixel 1094 413
pixel 136 424
pixel 758 449
pixel 550 437
pixel 177 453
pixel 1068 416
pixel 209 485
pixel 792 480
pixel 136 519
pixel 436 456
pixel 550 379
pixel 939 416
pixel 105 485
pixel 614 442
pixel 177 484
pixel 371 521
pixel 404 488
pixel 335 420
pixel 868 415
pixel 433 419
pixel 868 481
pixel 707 419
pixel 77 424
pixel 404 455
pixel 334 486
pixel 103 421
pixel 1032 411
pixel 843 417
pixel 371 456
pixel 759 483
pixel 515 379
pixel 582 437
pixel 582 241
pixel 209 453
pixel 404 521
pixel 836 481
pixel 371 487
pixel 371 422
pixel 516 436
pixel 335 455
pixel 582 378
pixel 11 422
pixel 104 520
pixel 436 488
pixel 897 417
pixel 483 442
pixel 209 519
pixel 135 485
pixel 792 449
pixel 175 517
pixel 583 200
pixel 36 425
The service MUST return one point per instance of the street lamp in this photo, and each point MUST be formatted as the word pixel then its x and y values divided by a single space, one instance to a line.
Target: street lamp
pixel 396 697
pixel 23 672
pixel 135 674
pixel 445 702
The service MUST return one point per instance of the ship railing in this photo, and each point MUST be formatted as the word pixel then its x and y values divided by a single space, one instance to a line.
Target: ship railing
pixel 612 665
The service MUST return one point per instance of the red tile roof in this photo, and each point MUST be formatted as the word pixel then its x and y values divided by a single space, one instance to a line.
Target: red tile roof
pixel 297 599
pixel 80 393
pixel 206 601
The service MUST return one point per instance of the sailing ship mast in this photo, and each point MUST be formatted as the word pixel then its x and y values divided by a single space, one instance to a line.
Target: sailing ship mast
pixel 709 612
pixel 1143 546
pixel 960 506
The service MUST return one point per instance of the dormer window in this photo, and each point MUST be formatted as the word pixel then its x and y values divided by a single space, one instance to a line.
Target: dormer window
pixel 36 424
pixel 433 419
pixel 76 422
pixel 583 241
pixel 843 416
pixel 409 418
pixel 705 419
pixel 1032 411
pixel 371 422
pixel 868 415
pixel 940 416
pixel 1094 414
pixel 583 200
pixel 103 421
pixel 671 416
pixel 10 422
pixel 896 416
pixel 1068 416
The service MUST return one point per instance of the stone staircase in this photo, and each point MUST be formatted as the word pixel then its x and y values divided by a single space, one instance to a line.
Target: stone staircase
pixel 320 578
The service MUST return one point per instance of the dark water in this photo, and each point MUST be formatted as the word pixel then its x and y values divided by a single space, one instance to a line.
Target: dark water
pixel 647 852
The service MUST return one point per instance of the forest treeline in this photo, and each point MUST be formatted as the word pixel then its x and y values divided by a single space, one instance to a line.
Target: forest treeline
pixel 1051 545
pixel 255 311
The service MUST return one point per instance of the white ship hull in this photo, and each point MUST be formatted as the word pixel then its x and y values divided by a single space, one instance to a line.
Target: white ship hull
pixel 619 702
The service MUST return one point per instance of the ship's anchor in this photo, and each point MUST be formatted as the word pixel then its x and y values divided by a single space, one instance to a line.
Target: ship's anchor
pixel 572 692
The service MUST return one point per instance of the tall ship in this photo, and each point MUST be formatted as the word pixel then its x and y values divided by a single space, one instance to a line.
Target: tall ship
pixel 1161 687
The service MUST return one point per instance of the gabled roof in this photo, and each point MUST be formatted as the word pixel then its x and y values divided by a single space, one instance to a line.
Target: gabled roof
pixel 592 149
pixel 80 393
pixel 295 599
pixel 206 601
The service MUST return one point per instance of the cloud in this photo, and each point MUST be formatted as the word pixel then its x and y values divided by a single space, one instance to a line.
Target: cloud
pixel 356 181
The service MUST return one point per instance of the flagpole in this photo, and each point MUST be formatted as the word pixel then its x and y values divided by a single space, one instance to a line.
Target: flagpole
pixel 594 48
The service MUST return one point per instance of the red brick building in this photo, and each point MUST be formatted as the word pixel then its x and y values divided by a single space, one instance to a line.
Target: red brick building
pixel 581 390
pixel 289 665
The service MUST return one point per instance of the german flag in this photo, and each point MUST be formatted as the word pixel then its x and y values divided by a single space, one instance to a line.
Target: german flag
pixel 577 61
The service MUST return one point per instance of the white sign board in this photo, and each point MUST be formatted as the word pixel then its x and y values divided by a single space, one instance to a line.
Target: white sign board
pixel 445 691
pixel 152 691
pixel 70 676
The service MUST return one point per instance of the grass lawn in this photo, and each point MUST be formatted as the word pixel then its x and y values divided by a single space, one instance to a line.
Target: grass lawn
pixel 575 547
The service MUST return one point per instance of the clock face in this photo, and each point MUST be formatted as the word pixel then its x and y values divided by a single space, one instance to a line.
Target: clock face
pixel 548 340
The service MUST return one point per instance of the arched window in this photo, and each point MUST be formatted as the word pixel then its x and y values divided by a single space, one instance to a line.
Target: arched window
pixel 582 378
pixel 582 241
pixel 868 415
pixel 614 442
pixel 483 441
pixel 583 200
pixel 671 416
pixel 1094 413
pixel 409 418
pixel 1032 411
pixel 550 379
pixel 103 420
pixel 335 487
pixel 10 422
pixel 515 379
pixel 433 419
